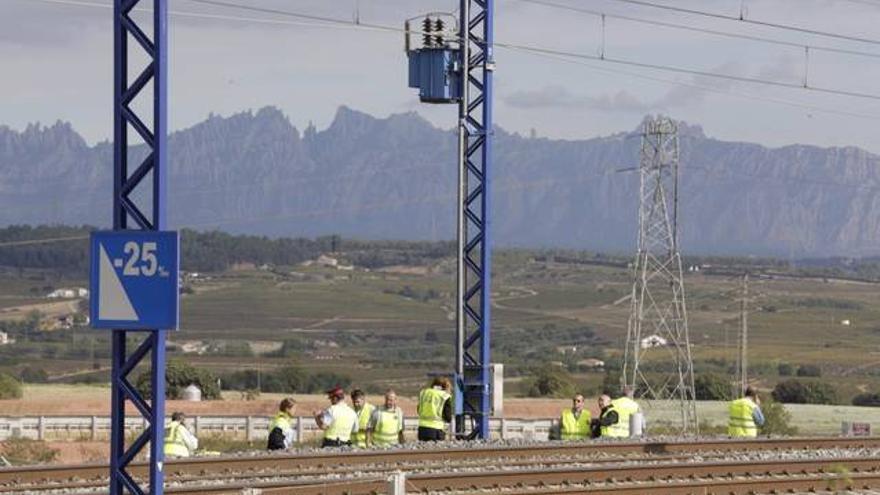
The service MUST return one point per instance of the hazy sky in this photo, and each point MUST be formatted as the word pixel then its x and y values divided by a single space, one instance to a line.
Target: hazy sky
pixel 57 64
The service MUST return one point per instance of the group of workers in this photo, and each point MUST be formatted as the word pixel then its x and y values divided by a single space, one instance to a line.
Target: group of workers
pixel 622 417
pixel 576 422
pixel 364 425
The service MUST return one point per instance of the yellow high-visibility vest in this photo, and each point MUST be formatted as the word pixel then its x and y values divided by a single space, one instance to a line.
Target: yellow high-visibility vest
pixel 614 430
pixel 387 428
pixel 281 420
pixel 344 419
pixel 430 407
pixel 360 438
pixel 174 445
pixel 625 408
pixel 742 423
pixel 572 428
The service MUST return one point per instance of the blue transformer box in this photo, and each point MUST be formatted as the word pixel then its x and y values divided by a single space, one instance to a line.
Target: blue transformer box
pixel 435 73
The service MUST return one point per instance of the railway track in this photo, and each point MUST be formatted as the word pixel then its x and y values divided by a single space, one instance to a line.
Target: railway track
pixel 557 467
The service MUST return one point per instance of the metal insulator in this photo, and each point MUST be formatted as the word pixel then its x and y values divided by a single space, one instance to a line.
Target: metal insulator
pixel 427 27
pixel 438 29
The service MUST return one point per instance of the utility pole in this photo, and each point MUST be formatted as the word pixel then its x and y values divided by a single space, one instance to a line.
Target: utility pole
pixel 743 356
pixel 657 355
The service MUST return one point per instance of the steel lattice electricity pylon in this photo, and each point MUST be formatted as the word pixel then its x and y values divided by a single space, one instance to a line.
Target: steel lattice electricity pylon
pixel 657 356
pixel 474 243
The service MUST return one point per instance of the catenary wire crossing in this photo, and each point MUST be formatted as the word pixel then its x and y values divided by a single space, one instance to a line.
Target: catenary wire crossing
pixel 714 32
pixel 742 18
pixel 323 21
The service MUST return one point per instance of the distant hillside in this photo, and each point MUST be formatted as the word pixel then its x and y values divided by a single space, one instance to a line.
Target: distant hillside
pixel 394 178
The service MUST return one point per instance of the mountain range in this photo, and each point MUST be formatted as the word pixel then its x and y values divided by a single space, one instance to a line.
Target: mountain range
pixel 395 178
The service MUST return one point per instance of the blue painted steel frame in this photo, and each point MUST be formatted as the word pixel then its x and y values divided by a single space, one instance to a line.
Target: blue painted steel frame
pixel 477 25
pixel 125 209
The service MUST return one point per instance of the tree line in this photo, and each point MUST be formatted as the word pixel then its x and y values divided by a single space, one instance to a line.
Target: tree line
pixel 65 250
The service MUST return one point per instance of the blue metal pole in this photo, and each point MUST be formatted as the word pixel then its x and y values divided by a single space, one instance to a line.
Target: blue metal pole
pixel 124 208
pixel 475 259
pixel 486 247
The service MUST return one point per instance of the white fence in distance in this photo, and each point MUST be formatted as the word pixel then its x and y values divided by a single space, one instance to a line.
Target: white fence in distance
pixel 251 428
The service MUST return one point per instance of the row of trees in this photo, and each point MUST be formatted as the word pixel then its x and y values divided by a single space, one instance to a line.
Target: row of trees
pixel 290 379
pixel 66 250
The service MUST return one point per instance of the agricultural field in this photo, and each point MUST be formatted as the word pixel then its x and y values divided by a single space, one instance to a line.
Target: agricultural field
pixel 393 325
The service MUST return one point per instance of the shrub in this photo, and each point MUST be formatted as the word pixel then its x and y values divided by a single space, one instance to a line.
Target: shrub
pixel 709 386
pixel 785 369
pixel 809 370
pixel 777 419
pixel 867 399
pixel 179 375
pixel 551 383
pixel 30 374
pixel 23 451
pixel 10 388
pixel 799 392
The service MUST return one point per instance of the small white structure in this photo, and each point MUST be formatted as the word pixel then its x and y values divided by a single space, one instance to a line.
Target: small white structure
pixel 61 294
pixel 653 341
pixel 4 338
pixel 324 260
pixel 591 363
pixel 82 292
pixel 845 323
pixel 191 393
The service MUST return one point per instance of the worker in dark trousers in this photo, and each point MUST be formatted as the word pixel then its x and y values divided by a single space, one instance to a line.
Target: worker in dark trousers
pixel 338 421
pixel 435 410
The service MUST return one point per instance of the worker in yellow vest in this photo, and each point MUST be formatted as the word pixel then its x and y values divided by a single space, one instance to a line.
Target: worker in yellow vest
pixel 574 423
pixel 745 415
pixel 385 428
pixel 179 442
pixel 435 410
pixel 338 421
pixel 364 411
pixel 625 406
pixel 606 425
pixel 280 428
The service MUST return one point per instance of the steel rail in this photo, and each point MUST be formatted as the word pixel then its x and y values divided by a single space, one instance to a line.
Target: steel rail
pixel 290 462
pixel 745 477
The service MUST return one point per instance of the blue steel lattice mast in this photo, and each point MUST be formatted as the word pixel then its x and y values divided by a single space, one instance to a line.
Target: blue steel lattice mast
pixel 464 75
pixel 128 215
pixel 476 135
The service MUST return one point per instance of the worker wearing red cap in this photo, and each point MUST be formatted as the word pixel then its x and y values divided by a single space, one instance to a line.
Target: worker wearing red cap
pixel 338 421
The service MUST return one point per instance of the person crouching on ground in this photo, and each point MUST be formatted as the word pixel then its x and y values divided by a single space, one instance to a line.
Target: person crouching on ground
pixel 280 428
pixel 574 422
pixel 179 442
pixel 605 424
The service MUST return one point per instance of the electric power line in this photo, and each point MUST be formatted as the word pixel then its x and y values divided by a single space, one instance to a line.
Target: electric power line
pixel 667 68
pixel 741 18
pixel 701 30
pixel 660 67
pixel 708 89
pixel 693 72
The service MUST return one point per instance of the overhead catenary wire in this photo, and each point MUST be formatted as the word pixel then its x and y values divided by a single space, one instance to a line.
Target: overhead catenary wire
pixel 693 72
pixel 695 29
pixel 603 57
pixel 742 18
pixel 643 65
pixel 708 89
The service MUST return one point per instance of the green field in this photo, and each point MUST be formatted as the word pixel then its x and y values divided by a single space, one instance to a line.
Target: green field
pixel 380 325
